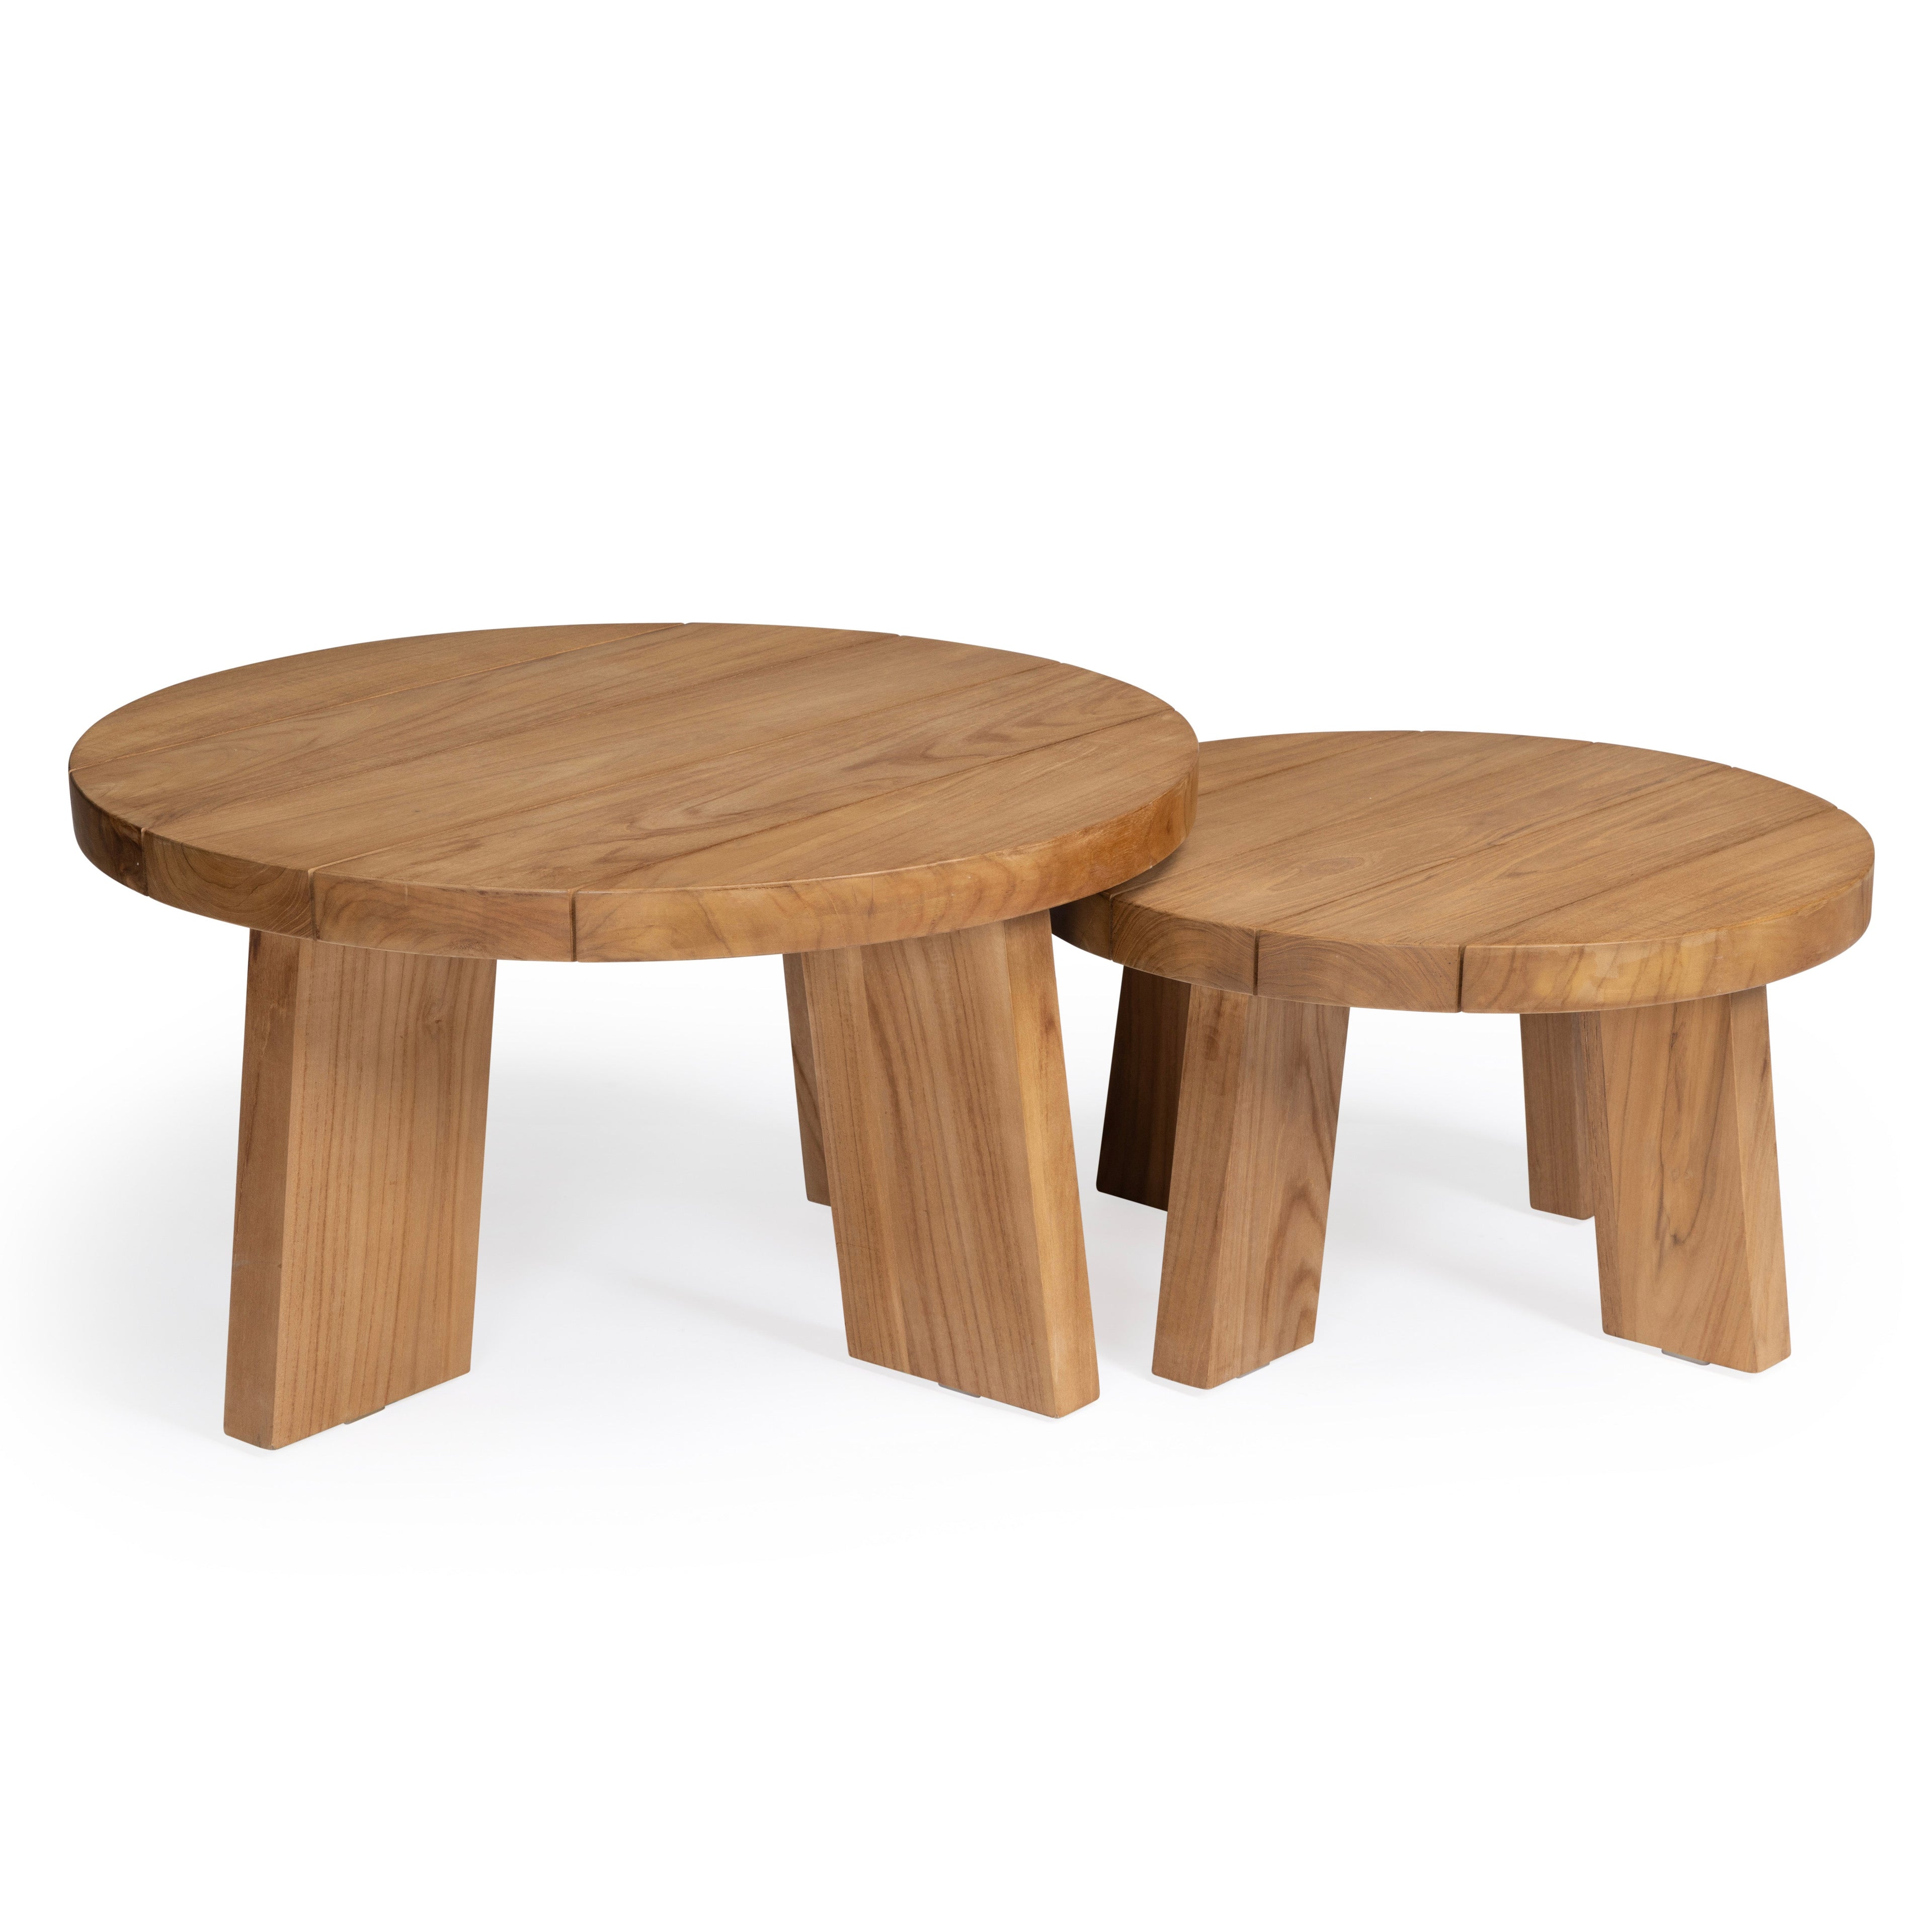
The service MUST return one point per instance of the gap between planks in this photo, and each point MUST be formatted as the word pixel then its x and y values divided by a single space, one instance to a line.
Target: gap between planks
pixel 1434 866
pixel 991 764
pixel 360 698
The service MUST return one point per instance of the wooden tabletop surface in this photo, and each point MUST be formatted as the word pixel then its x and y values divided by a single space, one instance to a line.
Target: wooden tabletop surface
pixel 1435 870
pixel 633 791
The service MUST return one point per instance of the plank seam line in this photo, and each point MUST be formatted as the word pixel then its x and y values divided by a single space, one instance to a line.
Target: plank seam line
pixel 1154 707
pixel 576 650
pixel 457 827
pixel 857 639
pixel 1420 794
pixel 1505 937
pixel 1428 868
pixel 361 696
pixel 1320 758
pixel 460 825
pixel 1799 909
pixel 887 871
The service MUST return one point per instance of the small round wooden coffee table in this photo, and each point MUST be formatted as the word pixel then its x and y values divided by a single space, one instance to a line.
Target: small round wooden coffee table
pixel 1631 905
pixel 894 814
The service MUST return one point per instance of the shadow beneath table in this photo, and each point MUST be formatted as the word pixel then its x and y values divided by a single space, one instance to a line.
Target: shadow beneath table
pixel 1445 1208
pixel 668 1196
pixel 659 1194
pixel 666 1193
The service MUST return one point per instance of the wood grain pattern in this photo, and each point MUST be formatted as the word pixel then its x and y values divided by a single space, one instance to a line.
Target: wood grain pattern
pixel 1435 870
pixel 805 1083
pixel 1087 923
pixel 1344 972
pixel 365 1081
pixel 1203 952
pixel 948 1155
pixel 1144 1088
pixel 639 791
pixel 110 843
pixel 1555 1116
pixel 1689 1237
pixel 1255 1146
pixel 848 876
pixel 1756 910
pixel 264 898
pixel 258 812
pixel 278 688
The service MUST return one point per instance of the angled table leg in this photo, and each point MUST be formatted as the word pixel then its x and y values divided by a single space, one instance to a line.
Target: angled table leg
pixel 1690 1239
pixel 1261 1088
pixel 1144 1088
pixel 365 1078
pixel 805 1082
pixel 948 1158
pixel 1555 1116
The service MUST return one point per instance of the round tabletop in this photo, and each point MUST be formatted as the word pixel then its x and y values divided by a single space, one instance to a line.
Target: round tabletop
pixel 1439 870
pixel 633 791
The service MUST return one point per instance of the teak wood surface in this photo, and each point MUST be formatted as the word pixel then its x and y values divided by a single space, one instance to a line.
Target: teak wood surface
pixel 1439 870
pixel 1689 1236
pixel 1629 904
pixel 1144 1089
pixel 1556 1117
pixel 365 1079
pixel 948 1156
pixel 633 791
pixel 805 1082
pixel 1656 1120
pixel 1254 1146
pixel 895 815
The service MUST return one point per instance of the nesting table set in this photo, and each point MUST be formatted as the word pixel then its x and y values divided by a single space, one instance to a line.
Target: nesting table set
pixel 908 822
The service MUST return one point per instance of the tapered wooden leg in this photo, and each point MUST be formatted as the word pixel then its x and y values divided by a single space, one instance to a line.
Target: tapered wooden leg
pixel 1261 1086
pixel 1555 1115
pixel 365 1078
pixel 805 1082
pixel 1144 1088
pixel 948 1156
pixel 1690 1240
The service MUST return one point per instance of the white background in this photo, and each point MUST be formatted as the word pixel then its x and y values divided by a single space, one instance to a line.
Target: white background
pixel 1538 368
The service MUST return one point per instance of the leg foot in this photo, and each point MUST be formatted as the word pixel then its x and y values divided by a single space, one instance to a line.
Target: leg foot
pixel 1144 1088
pixel 1255 1145
pixel 805 1082
pixel 1555 1115
pixel 948 1158
pixel 1690 1240
pixel 365 1078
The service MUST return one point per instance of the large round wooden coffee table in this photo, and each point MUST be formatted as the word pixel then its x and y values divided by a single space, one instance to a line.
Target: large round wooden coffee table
pixel 893 814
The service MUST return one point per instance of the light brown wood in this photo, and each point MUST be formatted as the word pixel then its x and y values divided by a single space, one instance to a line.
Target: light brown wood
pixel 110 843
pixel 365 1080
pixel 391 817
pixel 1631 905
pixel 1255 1146
pixel 1087 923
pixel 1753 910
pixel 1690 1240
pixel 1555 1115
pixel 633 791
pixel 805 1082
pixel 1144 1088
pixel 948 1156
pixel 274 689
pixel 1432 871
